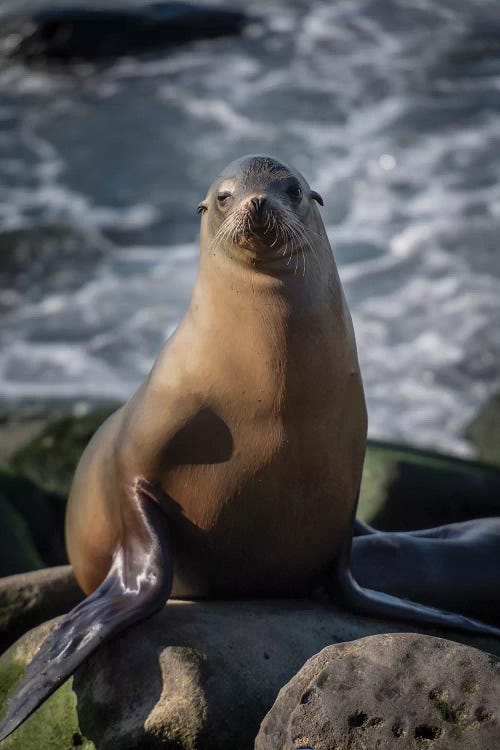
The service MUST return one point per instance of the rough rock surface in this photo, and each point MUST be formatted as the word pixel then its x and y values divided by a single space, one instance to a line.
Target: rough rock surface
pixel 28 599
pixel 197 675
pixel 388 692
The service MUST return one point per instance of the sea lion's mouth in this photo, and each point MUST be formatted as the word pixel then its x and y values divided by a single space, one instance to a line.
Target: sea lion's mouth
pixel 273 234
pixel 267 228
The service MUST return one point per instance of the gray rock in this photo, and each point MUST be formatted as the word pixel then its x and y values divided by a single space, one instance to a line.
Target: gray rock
pixel 50 257
pixel 389 691
pixel 197 675
pixel 72 33
pixel 49 460
pixel 28 599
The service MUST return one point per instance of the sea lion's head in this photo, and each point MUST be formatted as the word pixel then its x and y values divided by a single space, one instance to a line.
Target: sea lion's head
pixel 261 207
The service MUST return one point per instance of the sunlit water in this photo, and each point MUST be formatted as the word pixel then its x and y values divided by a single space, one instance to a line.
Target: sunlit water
pixel 391 110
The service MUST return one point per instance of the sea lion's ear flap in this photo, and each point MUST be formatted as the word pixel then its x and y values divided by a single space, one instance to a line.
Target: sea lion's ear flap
pixel 201 207
pixel 317 197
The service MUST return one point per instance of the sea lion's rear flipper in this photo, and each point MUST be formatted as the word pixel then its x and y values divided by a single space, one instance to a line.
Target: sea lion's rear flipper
pixel 362 529
pixel 454 567
pixel 379 604
pixel 137 585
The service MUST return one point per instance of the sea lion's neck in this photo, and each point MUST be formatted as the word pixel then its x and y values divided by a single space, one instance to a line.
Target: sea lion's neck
pixel 236 281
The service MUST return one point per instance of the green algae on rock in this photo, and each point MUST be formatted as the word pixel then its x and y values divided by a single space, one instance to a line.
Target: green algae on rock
pixel 55 725
pixel 406 488
pixel 49 459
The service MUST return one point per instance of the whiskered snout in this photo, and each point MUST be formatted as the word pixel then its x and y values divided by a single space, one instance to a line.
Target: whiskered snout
pixel 264 221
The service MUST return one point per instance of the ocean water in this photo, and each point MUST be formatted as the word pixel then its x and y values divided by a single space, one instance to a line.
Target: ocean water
pixel 391 110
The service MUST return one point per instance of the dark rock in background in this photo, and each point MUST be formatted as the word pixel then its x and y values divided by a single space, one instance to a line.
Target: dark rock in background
pixel 30 535
pixel 406 488
pixel 484 431
pixel 92 33
pixel 58 252
pixel 388 691
pixel 35 477
pixel 50 458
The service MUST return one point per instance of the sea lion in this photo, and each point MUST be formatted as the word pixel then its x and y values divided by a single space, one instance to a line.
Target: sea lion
pixel 234 470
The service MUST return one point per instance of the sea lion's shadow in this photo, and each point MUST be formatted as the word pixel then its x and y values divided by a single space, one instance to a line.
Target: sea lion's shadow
pixel 204 439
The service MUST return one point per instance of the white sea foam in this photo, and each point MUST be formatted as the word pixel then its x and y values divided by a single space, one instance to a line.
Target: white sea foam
pixel 386 111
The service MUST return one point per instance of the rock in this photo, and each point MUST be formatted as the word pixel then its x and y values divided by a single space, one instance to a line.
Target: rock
pixel 28 599
pixel 17 429
pixel 32 526
pixel 35 481
pixel 54 254
pixel 94 33
pixel 405 488
pixel 50 458
pixel 389 691
pixel 17 549
pixel 56 725
pixel 197 675
pixel 484 431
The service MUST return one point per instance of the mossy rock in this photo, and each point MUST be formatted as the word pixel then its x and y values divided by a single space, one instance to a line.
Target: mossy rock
pixel 50 459
pixel 32 527
pixel 18 551
pixel 28 599
pixel 484 431
pixel 54 726
pixel 404 488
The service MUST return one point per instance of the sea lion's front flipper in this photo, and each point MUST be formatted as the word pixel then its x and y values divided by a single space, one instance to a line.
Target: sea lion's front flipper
pixel 137 585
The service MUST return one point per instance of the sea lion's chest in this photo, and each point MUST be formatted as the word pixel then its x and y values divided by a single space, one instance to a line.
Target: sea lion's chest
pixel 257 473
pixel 258 428
pixel 259 465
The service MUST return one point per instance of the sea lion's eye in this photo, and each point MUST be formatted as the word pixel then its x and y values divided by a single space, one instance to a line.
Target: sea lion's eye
pixel 223 197
pixel 294 193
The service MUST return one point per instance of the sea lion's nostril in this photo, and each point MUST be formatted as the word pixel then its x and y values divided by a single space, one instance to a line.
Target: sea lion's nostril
pixel 258 202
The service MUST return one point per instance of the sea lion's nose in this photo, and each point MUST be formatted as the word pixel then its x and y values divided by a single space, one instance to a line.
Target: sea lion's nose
pixel 258 202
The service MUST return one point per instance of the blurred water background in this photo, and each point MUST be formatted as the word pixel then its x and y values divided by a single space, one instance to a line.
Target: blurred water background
pixel 391 110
